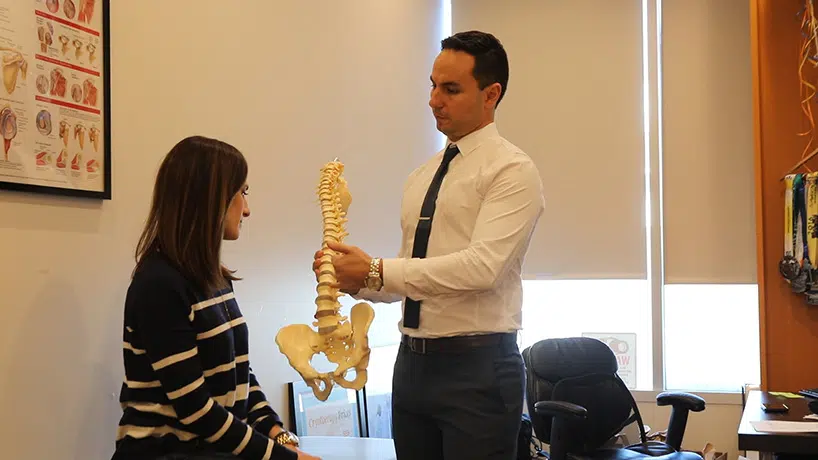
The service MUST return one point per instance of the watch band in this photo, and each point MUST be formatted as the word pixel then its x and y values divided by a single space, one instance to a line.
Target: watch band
pixel 374 280
pixel 375 268
pixel 285 437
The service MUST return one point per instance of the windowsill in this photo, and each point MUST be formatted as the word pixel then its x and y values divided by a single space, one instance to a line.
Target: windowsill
pixel 717 398
pixel 385 356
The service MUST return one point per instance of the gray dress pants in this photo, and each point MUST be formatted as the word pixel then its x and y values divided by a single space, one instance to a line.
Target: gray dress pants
pixel 464 405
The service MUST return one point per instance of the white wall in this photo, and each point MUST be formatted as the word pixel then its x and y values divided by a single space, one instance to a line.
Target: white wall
pixel 291 86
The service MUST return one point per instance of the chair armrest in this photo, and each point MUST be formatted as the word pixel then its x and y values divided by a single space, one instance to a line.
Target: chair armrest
pixel 687 401
pixel 683 404
pixel 563 416
pixel 559 409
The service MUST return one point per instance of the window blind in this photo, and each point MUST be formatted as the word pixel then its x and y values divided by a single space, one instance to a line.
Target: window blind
pixel 575 105
pixel 709 213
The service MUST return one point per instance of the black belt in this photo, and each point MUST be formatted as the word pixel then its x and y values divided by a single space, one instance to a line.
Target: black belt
pixel 457 344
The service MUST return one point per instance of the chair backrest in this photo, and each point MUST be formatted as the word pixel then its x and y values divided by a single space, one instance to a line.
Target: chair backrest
pixel 579 370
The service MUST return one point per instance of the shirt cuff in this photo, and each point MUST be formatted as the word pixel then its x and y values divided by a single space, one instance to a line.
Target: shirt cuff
pixel 394 276
pixel 266 424
pixel 362 294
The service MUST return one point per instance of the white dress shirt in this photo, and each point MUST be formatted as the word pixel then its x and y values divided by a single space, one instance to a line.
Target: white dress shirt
pixel 470 281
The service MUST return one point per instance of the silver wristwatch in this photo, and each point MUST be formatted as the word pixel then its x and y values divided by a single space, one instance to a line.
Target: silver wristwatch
pixel 373 279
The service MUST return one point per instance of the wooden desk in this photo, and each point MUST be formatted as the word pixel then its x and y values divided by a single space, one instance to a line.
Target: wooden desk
pixel 344 448
pixel 790 443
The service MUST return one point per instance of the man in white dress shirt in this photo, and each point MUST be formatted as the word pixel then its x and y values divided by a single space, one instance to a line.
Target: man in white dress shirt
pixel 467 217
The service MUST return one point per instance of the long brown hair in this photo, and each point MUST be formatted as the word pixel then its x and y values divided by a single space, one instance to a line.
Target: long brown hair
pixel 194 187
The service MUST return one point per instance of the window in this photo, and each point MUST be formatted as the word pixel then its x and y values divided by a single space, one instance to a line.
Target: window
pixel 711 340
pixel 711 337
pixel 701 288
pixel 572 308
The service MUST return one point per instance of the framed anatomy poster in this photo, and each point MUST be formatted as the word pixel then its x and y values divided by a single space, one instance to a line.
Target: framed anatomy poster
pixel 55 97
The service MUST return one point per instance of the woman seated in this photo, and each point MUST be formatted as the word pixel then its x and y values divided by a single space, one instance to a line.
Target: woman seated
pixel 189 390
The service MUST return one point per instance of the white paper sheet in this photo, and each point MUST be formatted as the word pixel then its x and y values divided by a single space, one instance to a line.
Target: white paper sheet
pixel 784 426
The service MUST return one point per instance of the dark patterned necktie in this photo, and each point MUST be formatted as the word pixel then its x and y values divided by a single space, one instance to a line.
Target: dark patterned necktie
pixel 411 312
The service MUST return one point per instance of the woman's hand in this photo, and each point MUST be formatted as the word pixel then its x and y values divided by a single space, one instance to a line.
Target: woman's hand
pixel 304 455
pixel 301 455
pixel 275 430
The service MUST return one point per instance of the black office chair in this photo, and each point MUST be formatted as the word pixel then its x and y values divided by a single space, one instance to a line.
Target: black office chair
pixel 578 404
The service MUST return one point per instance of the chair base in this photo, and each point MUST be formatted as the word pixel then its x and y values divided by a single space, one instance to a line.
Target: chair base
pixel 627 454
pixel 652 448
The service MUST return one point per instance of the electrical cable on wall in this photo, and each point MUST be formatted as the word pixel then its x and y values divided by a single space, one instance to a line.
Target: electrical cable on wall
pixel 808 53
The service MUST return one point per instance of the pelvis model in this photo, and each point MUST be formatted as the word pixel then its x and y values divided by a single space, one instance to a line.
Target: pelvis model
pixel 344 341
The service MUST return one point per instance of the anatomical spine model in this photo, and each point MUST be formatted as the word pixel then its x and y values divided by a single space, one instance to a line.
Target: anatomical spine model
pixel 343 342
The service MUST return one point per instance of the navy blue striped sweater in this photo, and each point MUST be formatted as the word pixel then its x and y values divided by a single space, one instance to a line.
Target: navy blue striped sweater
pixel 188 381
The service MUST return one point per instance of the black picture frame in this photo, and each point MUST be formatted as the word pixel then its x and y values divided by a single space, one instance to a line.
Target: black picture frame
pixel 339 397
pixel 54 20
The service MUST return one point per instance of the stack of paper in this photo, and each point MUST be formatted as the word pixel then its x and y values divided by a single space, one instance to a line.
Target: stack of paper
pixel 784 426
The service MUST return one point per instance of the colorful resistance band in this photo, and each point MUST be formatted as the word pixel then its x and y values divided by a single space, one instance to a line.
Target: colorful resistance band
pixel 788 267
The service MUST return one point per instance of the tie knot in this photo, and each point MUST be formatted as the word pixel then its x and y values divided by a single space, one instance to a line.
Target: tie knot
pixel 450 152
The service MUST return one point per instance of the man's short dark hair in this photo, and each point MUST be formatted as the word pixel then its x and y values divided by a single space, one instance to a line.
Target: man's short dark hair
pixel 490 59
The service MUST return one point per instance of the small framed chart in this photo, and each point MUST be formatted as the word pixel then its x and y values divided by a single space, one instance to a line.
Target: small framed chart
pixel 339 415
pixel 55 105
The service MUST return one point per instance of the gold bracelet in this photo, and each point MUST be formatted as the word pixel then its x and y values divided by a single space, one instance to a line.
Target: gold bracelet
pixel 285 437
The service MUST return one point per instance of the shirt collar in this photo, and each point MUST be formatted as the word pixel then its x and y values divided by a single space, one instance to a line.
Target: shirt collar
pixel 473 140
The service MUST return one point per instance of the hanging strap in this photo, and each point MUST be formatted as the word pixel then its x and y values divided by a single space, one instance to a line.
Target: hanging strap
pixel 812 237
pixel 800 208
pixel 800 220
pixel 811 219
pixel 789 266
pixel 803 280
pixel 788 217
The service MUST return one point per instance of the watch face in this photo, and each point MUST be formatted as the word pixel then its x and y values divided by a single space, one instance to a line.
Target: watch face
pixel 291 438
pixel 373 283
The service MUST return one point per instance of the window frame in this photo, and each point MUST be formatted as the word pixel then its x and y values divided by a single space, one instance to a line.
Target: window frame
pixel 652 84
pixel 652 77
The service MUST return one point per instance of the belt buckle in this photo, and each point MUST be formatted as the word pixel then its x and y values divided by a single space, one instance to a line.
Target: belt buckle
pixel 412 345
